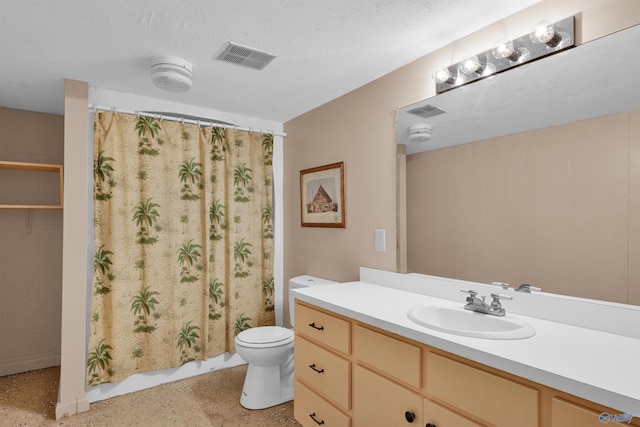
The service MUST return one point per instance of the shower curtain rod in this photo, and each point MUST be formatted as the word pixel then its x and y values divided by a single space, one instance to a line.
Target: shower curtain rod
pixel 204 123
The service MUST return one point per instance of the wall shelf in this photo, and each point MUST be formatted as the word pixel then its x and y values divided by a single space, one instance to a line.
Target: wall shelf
pixel 37 167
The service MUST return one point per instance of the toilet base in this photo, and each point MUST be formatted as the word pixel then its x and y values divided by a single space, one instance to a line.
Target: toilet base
pixel 264 386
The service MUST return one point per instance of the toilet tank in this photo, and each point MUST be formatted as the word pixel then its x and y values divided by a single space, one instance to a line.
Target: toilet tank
pixel 304 282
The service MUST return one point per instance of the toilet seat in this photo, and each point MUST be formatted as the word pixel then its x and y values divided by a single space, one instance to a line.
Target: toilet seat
pixel 265 336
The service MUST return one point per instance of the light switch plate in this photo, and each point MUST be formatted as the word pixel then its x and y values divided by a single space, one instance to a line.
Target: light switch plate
pixel 378 240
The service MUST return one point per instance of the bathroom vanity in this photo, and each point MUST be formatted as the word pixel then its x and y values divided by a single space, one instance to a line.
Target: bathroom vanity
pixel 360 361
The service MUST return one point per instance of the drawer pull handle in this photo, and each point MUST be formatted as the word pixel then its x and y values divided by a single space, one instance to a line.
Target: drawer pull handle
pixel 313 325
pixel 409 416
pixel 313 417
pixel 313 366
pixel 430 425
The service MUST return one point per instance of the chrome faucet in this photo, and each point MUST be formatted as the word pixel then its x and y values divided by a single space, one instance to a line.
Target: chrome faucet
pixel 526 288
pixel 480 306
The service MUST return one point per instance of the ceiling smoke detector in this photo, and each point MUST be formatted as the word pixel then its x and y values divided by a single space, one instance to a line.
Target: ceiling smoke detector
pixel 419 133
pixel 171 73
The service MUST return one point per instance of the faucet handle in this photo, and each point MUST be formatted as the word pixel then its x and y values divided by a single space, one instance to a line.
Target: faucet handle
pixel 504 286
pixel 471 292
pixel 497 297
pixel 496 307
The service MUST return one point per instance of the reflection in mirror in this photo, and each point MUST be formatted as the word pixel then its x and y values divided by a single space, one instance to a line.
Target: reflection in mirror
pixel 537 184
pixel 591 80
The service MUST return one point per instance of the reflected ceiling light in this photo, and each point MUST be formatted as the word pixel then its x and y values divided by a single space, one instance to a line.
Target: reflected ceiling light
pixel 171 73
pixel 546 39
pixel 420 132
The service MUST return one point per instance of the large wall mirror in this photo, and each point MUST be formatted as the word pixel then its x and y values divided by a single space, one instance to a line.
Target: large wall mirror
pixel 530 176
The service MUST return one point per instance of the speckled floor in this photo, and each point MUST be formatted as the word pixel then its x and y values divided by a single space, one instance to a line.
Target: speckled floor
pixel 213 399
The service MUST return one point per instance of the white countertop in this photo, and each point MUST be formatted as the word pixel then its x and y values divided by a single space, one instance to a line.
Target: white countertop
pixel 598 366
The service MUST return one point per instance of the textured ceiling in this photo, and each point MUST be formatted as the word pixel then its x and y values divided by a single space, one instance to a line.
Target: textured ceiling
pixel 324 48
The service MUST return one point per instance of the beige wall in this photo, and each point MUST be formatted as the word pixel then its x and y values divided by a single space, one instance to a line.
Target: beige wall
pixel 359 129
pixel 548 207
pixel 30 251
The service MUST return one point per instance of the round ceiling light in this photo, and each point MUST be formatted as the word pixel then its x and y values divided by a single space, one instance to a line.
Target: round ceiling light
pixel 420 133
pixel 171 73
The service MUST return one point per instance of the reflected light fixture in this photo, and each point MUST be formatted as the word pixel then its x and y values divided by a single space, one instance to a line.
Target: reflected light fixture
pixel 545 39
pixel 420 132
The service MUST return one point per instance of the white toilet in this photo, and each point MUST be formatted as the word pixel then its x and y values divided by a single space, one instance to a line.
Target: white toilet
pixel 269 352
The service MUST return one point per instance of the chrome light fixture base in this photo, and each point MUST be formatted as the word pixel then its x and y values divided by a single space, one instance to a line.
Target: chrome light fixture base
pixel 546 39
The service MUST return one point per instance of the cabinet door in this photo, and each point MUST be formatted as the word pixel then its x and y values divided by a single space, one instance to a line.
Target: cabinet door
pixel 567 414
pixel 438 416
pixel 378 401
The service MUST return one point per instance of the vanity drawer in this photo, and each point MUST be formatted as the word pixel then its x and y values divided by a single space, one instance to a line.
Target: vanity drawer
pixel 310 410
pixel 323 371
pixel 323 328
pixel 496 400
pixel 440 416
pixel 399 359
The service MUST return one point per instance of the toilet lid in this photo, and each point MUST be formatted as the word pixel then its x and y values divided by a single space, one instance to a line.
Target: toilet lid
pixel 265 335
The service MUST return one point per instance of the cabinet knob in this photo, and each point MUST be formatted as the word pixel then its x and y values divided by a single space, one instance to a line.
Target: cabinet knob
pixel 409 416
pixel 430 425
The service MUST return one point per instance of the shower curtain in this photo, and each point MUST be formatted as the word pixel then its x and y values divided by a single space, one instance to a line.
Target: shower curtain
pixel 183 256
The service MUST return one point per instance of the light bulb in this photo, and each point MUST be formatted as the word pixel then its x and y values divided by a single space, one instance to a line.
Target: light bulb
pixel 443 76
pixel 505 50
pixel 470 65
pixel 545 33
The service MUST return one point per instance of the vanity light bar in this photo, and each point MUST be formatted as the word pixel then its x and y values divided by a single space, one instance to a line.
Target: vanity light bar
pixel 545 39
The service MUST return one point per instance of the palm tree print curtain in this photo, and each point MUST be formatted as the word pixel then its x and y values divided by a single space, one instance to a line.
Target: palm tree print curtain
pixel 183 243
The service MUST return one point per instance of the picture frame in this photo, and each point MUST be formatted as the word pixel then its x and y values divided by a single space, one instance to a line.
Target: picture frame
pixel 322 201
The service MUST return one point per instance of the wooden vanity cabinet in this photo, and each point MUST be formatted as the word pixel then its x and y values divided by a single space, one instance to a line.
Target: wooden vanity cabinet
pixel 375 378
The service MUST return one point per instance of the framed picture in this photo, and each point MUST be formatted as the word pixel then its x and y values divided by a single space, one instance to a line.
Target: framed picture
pixel 322 202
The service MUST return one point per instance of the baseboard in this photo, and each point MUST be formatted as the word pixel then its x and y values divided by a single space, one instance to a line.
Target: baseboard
pixel 66 409
pixel 19 366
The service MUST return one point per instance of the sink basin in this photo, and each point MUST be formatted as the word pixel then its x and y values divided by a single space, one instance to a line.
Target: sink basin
pixel 459 321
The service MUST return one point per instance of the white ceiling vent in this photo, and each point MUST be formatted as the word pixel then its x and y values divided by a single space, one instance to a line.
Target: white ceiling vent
pixel 427 111
pixel 245 56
